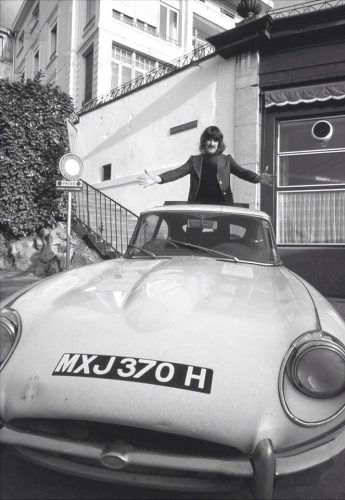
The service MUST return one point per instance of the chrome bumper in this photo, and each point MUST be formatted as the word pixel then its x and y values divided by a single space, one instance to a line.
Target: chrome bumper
pixel 262 469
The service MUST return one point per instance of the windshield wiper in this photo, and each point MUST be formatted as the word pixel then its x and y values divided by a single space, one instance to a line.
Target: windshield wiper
pixel 143 250
pixel 205 249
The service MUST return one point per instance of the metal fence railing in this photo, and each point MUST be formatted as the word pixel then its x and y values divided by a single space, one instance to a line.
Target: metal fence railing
pixel 108 221
pixel 201 52
pixel 304 8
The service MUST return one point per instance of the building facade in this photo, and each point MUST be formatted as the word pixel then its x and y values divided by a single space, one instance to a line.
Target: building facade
pixel 302 80
pixel 302 108
pixel 89 47
pixel 7 15
pixel 275 86
pixel 158 127
pixel 6 54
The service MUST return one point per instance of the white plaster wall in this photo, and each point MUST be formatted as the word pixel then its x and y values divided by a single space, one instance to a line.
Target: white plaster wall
pixel 247 126
pixel 133 133
pixel 212 13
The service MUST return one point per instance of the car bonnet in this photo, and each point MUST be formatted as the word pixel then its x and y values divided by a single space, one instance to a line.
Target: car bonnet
pixel 234 321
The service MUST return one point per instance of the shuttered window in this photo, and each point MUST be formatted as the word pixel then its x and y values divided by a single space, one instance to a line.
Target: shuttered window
pixel 88 75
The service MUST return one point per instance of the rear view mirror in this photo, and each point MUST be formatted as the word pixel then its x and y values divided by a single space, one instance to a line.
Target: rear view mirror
pixel 200 223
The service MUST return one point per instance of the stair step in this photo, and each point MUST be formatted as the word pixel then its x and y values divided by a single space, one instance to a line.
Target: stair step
pixel 110 224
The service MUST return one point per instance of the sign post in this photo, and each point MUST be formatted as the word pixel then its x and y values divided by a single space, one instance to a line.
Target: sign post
pixel 68 237
pixel 71 167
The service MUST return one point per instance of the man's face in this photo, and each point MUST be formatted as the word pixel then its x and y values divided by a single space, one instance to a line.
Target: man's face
pixel 211 146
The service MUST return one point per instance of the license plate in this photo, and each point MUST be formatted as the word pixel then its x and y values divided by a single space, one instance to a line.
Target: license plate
pixel 146 371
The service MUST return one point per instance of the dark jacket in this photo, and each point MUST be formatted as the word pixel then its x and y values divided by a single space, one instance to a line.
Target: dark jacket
pixel 226 165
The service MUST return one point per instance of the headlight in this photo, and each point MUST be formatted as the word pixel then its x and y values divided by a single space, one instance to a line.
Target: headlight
pixel 9 333
pixel 317 365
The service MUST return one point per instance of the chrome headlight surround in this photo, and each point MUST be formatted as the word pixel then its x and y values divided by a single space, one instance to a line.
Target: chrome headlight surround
pixel 323 376
pixel 308 344
pixel 10 330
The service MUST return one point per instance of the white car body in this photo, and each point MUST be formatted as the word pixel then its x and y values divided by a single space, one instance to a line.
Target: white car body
pixel 169 372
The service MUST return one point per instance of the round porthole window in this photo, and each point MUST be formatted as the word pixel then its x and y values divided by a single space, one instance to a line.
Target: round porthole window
pixel 322 131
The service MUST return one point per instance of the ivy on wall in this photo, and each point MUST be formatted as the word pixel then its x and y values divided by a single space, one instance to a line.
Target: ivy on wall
pixel 33 137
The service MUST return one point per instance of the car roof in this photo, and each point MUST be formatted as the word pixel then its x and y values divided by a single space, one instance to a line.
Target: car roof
pixel 225 209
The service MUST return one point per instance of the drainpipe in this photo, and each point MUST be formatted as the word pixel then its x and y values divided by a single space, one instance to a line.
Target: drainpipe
pixel 73 50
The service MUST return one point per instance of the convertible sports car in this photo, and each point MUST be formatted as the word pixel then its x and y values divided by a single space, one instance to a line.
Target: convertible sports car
pixel 197 362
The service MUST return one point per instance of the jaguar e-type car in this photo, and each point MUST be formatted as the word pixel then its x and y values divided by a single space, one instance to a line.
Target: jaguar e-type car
pixel 196 362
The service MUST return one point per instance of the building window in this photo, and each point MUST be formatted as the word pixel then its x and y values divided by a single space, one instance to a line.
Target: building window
pixel 106 172
pixel 169 24
pixel 6 48
pixel 53 40
pixel 144 64
pixel 36 12
pixel 140 25
pixel 34 18
pixel 88 75
pixel 90 10
pixel 20 42
pixel 117 15
pixel 136 23
pixel 311 182
pixel 122 62
pixel 128 20
pixel 127 65
pixel 36 61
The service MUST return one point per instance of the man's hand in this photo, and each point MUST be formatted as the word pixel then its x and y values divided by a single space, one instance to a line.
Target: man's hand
pixel 148 179
pixel 266 178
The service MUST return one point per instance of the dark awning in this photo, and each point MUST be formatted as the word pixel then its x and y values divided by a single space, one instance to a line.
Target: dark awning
pixel 311 93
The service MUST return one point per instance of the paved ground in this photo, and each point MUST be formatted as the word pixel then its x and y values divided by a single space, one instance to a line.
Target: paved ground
pixel 11 281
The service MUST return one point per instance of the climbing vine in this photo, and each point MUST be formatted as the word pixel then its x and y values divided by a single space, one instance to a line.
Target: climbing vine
pixel 33 137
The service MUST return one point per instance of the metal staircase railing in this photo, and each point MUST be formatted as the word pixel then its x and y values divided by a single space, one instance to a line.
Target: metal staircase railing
pixel 109 224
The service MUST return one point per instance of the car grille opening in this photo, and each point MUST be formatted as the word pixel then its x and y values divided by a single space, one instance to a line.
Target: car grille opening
pixel 182 453
pixel 144 439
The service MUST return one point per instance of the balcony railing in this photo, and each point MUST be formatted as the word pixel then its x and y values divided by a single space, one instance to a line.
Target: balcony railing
pixel 142 26
pixel 200 53
pixel 109 223
pixel 304 8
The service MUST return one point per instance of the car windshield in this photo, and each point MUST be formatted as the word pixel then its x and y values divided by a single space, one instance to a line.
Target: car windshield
pixel 228 236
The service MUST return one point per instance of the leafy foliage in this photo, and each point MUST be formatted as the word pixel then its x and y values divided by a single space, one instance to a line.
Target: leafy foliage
pixel 33 137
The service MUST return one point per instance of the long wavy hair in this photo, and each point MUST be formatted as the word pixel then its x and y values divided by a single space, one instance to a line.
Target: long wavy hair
pixel 212 132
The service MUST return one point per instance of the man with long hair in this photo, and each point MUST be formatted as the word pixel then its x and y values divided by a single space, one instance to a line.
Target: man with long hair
pixel 209 172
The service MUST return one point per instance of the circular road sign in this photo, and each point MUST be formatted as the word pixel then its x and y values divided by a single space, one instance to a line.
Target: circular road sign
pixel 71 167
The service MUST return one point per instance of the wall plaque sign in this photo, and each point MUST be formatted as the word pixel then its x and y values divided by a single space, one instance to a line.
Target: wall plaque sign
pixel 183 127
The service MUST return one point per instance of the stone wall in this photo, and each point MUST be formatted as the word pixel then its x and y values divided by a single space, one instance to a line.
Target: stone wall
pixel 44 254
